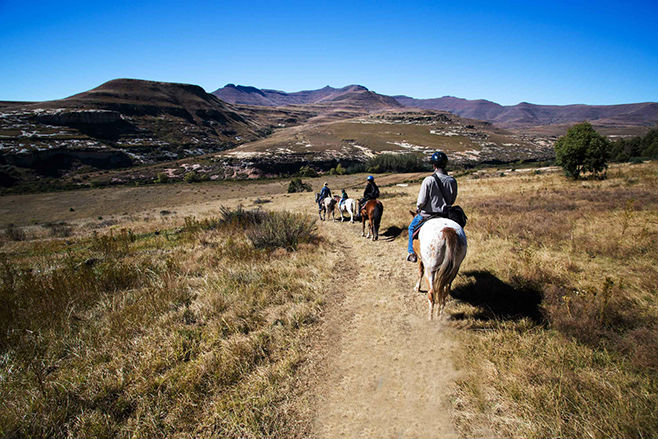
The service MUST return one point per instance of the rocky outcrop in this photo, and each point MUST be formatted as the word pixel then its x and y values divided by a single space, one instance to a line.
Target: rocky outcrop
pixel 77 117
pixel 52 162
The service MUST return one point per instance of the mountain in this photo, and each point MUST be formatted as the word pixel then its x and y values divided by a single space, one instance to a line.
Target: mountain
pixel 121 123
pixel 527 115
pixel 352 97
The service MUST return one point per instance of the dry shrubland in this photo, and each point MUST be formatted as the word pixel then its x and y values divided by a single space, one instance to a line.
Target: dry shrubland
pixel 190 331
pixel 199 326
pixel 557 306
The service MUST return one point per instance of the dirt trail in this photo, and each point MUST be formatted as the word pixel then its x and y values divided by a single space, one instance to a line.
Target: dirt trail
pixel 388 368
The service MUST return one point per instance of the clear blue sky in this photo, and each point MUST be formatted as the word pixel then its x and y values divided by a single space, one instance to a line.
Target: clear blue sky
pixel 544 52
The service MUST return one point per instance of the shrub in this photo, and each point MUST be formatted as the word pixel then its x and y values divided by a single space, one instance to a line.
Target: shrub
pixel 282 230
pixel 240 217
pixel 582 150
pixel 398 163
pixel 14 233
pixel 61 230
pixel 624 150
pixel 162 178
pixel 307 171
pixel 195 177
pixel 297 185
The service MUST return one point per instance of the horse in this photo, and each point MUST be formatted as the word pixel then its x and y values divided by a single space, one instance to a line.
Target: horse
pixel 349 207
pixel 328 206
pixel 372 211
pixel 441 248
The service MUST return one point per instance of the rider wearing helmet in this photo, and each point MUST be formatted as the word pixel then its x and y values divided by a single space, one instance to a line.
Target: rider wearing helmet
pixel 371 192
pixel 324 193
pixel 343 197
pixel 437 193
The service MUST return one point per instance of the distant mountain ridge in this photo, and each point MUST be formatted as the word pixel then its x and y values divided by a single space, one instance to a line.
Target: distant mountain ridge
pixel 526 114
pixel 511 116
pixel 351 95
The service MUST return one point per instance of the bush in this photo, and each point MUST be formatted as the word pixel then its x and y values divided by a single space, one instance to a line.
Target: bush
pixel 297 185
pixel 625 150
pixel 282 230
pixel 162 178
pixel 195 177
pixel 307 171
pixel 61 229
pixel 582 150
pixel 398 163
pixel 14 233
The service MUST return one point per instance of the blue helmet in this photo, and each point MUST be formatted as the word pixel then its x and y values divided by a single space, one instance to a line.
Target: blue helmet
pixel 371 178
pixel 439 158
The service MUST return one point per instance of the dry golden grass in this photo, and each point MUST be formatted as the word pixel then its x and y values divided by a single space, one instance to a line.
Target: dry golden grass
pixel 556 303
pixel 185 329
pixel 558 306
pixel 188 332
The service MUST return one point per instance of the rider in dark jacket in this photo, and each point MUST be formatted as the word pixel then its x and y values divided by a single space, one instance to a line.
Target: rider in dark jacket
pixel 324 193
pixel 370 193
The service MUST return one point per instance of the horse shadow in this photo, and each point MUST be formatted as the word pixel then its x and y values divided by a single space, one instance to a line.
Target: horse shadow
pixel 391 233
pixel 498 300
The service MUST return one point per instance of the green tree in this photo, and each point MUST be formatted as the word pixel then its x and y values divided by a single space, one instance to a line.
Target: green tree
pixel 649 144
pixel 297 185
pixel 582 150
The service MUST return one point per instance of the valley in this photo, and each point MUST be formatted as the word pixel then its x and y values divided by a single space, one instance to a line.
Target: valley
pixel 130 131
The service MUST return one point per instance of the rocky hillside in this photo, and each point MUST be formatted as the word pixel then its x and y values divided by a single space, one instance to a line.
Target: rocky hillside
pixel 121 123
pixel 356 140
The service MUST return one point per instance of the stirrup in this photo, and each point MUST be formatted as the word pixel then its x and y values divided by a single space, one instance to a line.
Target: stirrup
pixel 411 257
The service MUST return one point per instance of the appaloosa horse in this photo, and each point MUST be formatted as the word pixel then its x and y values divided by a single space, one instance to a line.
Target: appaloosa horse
pixel 441 248
pixel 327 206
pixel 372 211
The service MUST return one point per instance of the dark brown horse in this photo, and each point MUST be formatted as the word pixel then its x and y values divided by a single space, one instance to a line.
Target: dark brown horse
pixel 372 211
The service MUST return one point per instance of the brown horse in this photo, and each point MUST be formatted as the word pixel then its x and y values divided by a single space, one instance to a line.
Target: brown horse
pixel 372 211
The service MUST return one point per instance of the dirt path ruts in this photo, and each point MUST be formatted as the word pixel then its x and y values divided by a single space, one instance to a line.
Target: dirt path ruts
pixel 388 368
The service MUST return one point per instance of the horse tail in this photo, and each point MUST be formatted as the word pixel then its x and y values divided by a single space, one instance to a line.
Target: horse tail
pixel 377 213
pixel 449 266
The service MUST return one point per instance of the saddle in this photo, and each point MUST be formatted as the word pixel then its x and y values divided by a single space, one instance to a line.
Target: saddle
pixel 417 229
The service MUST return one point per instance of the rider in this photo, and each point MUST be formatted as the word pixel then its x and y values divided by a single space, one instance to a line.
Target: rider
pixel 371 192
pixel 343 197
pixel 324 193
pixel 432 199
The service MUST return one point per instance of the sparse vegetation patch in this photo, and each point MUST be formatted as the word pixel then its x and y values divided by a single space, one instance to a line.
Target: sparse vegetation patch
pixel 191 331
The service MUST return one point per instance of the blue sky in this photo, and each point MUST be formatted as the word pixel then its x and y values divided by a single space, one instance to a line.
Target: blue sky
pixel 553 52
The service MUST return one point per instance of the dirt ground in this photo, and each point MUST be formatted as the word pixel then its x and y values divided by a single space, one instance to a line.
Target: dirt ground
pixel 383 369
pixel 388 369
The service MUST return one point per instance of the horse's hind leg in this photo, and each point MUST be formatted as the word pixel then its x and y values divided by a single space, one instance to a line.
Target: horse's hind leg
pixel 421 271
pixel 431 294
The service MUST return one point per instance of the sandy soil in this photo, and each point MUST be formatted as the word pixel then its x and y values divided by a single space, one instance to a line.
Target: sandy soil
pixel 387 370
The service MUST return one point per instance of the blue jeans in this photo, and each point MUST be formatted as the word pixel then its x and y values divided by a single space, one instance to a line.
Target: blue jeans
pixel 414 222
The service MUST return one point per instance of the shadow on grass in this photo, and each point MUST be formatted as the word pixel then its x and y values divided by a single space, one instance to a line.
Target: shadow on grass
pixel 392 232
pixel 497 300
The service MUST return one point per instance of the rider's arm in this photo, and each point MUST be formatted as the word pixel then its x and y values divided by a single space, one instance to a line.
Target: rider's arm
pixel 423 194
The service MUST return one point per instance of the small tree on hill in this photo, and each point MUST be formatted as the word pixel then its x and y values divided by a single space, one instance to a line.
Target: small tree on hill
pixel 297 185
pixel 582 150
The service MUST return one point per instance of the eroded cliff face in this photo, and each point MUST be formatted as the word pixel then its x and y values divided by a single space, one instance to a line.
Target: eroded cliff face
pixel 54 162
